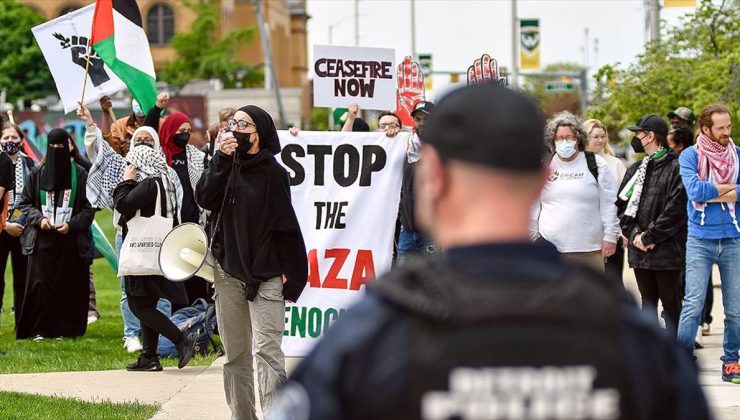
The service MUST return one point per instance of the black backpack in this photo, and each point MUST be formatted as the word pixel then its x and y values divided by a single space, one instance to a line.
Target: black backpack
pixel 592 166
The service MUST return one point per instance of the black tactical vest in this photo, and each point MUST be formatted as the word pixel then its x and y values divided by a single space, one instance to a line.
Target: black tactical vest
pixel 525 345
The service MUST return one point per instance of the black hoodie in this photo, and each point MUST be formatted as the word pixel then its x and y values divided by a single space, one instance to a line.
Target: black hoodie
pixel 258 236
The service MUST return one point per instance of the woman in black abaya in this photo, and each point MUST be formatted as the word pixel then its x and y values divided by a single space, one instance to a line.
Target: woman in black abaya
pixel 57 239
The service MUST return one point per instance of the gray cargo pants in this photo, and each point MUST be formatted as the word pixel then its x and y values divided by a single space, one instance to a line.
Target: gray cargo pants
pixel 244 326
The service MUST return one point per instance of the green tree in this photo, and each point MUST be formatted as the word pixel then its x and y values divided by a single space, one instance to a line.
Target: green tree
pixel 319 119
pixel 552 102
pixel 23 70
pixel 202 53
pixel 695 64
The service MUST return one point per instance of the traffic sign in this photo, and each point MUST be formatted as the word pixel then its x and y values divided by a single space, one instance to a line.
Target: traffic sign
pixel 559 86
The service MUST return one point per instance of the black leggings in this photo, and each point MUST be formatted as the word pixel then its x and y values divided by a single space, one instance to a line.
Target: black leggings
pixel 153 323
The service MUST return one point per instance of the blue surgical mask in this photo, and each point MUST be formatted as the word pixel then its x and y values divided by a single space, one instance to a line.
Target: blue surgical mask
pixel 565 148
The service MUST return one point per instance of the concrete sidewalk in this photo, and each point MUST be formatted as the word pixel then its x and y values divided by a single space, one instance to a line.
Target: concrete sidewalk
pixel 197 392
pixel 193 393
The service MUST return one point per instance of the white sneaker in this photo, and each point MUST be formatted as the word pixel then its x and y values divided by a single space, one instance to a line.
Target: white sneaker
pixel 706 329
pixel 132 344
pixel 698 340
pixel 91 319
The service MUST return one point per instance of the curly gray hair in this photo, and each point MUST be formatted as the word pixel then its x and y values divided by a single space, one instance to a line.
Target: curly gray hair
pixel 565 119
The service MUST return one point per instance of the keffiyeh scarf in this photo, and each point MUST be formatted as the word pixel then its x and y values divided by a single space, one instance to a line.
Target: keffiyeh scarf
pixel 717 164
pixel 14 195
pixel 632 191
pixel 107 172
pixel 150 163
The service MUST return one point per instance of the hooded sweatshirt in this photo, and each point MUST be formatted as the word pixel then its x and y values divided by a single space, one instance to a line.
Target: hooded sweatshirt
pixel 717 222
pixel 257 236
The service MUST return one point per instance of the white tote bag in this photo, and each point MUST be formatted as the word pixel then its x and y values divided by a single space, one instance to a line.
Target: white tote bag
pixel 140 249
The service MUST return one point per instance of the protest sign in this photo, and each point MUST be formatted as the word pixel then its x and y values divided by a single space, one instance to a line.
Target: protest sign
pixel 345 190
pixel 344 75
pixel 484 70
pixel 64 42
pixel 411 89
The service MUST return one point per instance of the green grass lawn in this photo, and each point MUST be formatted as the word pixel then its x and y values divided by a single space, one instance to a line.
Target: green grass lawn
pixel 101 348
pixel 30 407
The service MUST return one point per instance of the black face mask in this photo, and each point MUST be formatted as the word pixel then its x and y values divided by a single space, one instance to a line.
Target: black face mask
pixel 181 139
pixel 637 146
pixel 11 147
pixel 242 138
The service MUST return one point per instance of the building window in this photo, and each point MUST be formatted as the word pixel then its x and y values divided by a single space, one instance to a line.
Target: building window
pixel 160 24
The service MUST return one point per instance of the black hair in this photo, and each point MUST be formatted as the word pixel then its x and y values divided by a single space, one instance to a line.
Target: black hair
pixel 392 114
pixel 683 136
pixel 661 139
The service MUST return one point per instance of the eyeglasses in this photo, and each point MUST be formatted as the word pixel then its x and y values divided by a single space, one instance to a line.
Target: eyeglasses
pixel 566 139
pixel 241 124
pixel 387 126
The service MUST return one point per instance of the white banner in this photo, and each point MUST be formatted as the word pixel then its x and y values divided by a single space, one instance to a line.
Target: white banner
pixel 345 190
pixel 64 43
pixel 345 75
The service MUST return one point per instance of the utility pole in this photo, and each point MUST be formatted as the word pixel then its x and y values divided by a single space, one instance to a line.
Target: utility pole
pixel 270 67
pixel 413 29
pixel 357 23
pixel 585 49
pixel 584 91
pixel 514 46
pixel 654 19
pixel 596 53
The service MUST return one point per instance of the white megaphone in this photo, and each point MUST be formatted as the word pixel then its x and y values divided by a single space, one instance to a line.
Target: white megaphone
pixel 184 254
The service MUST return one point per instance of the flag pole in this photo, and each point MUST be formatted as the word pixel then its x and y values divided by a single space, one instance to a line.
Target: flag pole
pixel 87 67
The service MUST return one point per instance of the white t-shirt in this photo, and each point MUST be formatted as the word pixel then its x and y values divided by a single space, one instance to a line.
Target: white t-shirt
pixel 577 213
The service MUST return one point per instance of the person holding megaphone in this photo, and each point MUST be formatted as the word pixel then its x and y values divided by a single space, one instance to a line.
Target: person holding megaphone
pixel 259 251
pixel 147 189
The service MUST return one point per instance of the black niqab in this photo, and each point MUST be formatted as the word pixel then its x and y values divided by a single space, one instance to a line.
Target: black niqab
pixel 265 128
pixel 57 169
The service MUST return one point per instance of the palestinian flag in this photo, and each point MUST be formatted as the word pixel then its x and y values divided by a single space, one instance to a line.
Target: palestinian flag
pixel 120 41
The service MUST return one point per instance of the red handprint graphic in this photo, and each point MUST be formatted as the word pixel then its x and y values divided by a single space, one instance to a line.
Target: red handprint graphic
pixel 410 83
pixel 484 70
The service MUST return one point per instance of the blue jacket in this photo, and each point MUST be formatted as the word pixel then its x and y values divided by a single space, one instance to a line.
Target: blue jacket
pixel 718 223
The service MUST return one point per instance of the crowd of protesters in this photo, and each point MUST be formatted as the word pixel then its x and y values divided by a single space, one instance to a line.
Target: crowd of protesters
pixel 673 211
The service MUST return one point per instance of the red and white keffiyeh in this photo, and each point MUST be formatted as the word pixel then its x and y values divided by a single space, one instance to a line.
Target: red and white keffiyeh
pixel 718 164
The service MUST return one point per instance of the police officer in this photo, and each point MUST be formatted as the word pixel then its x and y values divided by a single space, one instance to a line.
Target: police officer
pixel 495 327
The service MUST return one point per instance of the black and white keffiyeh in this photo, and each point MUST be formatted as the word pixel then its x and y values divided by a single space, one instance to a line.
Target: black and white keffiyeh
pixel 632 191
pixel 14 195
pixel 107 172
pixel 150 163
